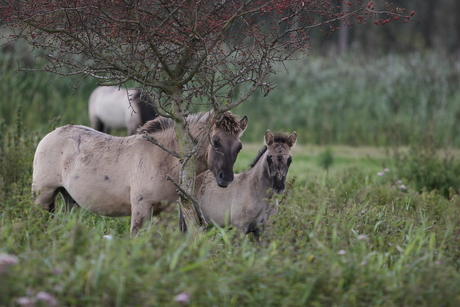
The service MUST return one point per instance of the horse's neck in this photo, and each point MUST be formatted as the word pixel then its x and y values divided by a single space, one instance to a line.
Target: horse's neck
pixel 165 138
pixel 202 159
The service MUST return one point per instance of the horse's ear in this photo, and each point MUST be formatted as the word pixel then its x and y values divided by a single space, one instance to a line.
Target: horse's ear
pixel 244 123
pixel 292 139
pixel 269 138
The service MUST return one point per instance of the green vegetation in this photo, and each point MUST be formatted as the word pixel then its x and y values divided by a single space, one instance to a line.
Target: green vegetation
pixel 345 237
pixel 350 100
pixel 354 100
pixel 380 227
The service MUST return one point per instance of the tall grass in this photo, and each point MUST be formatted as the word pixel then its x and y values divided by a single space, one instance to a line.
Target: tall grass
pixel 323 249
pixel 353 100
pixel 345 237
pixel 360 100
pixel 351 238
pixel 42 97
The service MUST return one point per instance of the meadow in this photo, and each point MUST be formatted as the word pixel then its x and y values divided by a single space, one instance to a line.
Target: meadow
pixel 369 225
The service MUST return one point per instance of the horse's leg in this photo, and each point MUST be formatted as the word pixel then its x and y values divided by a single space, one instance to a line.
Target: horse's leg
pixel 46 197
pixel 257 233
pixel 96 123
pixel 182 225
pixel 141 212
pixel 132 125
pixel 105 129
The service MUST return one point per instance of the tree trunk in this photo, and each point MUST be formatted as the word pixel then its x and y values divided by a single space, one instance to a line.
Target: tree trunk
pixel 187 172
pixel 343 34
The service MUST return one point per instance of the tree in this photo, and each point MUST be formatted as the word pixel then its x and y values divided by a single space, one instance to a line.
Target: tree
pixel 190 53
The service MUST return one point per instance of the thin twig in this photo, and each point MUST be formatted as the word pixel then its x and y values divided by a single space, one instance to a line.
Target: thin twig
pixel 196 207
pixel 171 152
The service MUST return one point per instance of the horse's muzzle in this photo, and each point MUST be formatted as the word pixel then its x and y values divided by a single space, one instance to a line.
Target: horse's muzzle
pixel 224 179
pixel 278 185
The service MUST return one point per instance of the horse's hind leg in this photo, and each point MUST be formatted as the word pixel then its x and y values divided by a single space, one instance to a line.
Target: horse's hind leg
pixel 97 124
pixel 46 198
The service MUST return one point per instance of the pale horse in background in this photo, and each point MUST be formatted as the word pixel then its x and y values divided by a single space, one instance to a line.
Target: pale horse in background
pixel 111 107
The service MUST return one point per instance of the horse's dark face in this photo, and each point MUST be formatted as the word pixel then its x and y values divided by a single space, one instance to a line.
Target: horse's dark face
pixel 279 159
pixel 222 152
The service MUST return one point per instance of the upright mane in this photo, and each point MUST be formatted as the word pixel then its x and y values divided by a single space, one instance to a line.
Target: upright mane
pixel 155 125
pixel 280 137
pixel 228 122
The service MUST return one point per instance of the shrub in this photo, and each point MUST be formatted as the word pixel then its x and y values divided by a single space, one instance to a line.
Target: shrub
pixel 425 168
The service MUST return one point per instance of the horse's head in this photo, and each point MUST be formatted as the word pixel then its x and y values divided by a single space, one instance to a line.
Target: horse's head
pixel 224 146
pixel 279 157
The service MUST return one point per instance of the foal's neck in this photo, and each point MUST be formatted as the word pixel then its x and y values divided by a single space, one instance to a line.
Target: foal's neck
pixel 261 174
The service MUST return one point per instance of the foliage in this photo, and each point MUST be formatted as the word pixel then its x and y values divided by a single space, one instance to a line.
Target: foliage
pixel 360 100
pixel 326 159
pixel 16 155
pixel 354 239
pixel 349 100
pixel 180 50
pixel 428 170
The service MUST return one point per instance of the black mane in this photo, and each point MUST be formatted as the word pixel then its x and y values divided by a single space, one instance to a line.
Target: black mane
pixel 259 154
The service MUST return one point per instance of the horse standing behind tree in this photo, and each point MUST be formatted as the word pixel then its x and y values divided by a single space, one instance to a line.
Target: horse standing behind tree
pixel 113 108
pixel 122 176
pixel 245 204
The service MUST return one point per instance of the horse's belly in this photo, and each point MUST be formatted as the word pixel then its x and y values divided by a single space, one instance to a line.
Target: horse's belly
pixel 101 199
pixel 111 208
pixel 115 118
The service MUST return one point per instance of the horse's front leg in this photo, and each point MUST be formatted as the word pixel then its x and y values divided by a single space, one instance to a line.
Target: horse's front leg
pixel 141 213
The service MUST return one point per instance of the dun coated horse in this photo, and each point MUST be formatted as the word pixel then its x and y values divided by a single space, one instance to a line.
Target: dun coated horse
pixel 245 204
pixel 114 108
pixel 126 176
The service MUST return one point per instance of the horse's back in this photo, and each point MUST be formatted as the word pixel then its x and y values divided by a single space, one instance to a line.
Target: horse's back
pixel 55 151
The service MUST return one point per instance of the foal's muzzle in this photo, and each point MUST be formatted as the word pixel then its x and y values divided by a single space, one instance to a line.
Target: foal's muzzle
pixel 278 185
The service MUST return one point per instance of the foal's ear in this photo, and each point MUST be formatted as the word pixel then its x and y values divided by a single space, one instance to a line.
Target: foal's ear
pixel 292 139
pixel 243 123
pixel 269 138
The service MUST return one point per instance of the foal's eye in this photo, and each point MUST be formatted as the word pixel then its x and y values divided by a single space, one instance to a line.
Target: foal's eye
pixel 269 160
pixel 239 148
pixel 216 143
pixel 289 161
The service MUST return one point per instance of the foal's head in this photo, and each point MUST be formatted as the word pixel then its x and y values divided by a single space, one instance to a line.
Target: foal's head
pixel 279 157
pixel 224 146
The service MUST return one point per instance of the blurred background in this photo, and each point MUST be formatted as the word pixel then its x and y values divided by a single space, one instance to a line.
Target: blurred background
pixel 365 85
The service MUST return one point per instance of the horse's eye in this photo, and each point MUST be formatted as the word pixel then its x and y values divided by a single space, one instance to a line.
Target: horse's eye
pixel 216 144
pixel 239 148
pixel 269 160
pixel 289 161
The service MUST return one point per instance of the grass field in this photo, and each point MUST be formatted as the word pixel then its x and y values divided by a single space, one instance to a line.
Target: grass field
pixel 348 237
pixel 380 227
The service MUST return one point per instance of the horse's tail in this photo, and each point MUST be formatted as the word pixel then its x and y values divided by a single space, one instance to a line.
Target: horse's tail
pixel 146 106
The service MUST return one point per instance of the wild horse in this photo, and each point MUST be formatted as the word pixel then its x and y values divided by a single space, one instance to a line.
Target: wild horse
pixel 122 176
